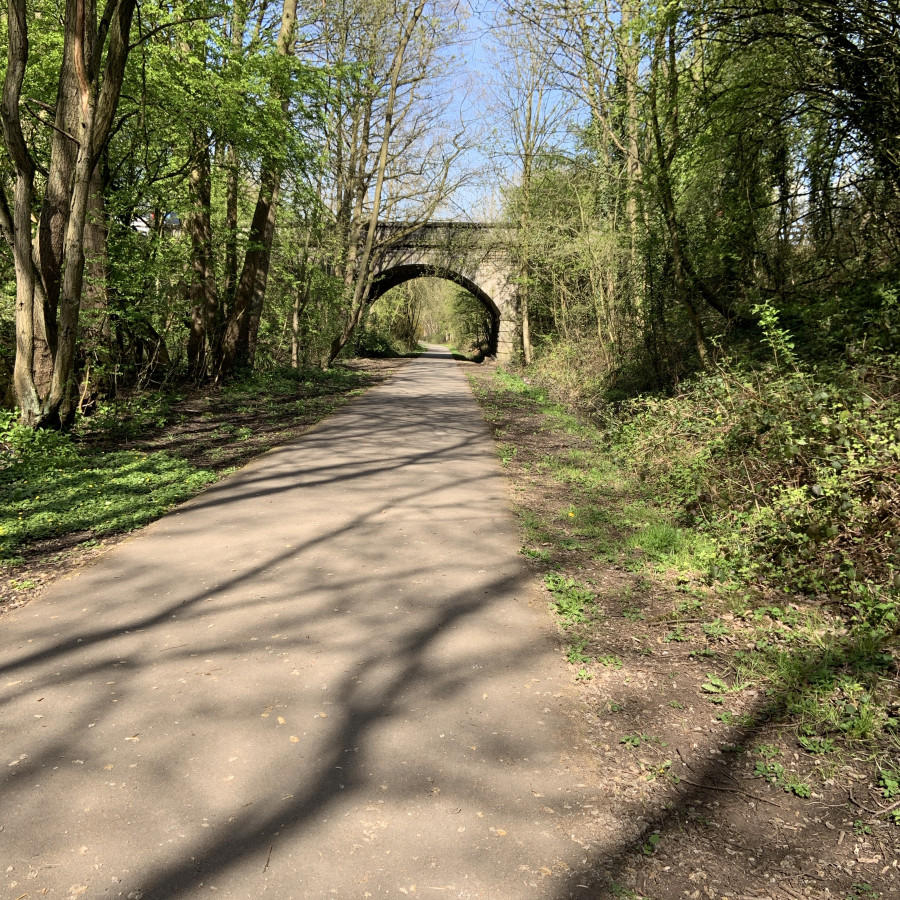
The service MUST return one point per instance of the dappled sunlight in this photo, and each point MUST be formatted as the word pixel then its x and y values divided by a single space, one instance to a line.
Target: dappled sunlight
pixel 329 656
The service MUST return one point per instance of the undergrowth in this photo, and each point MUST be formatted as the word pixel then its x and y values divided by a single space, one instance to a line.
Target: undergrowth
pixel 94 481
pixel 778 486
pixel 50 487
pixel 789 471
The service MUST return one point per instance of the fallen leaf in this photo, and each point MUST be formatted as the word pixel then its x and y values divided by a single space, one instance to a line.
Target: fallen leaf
pixel 295 739
pixel 500 832
pixel 281 720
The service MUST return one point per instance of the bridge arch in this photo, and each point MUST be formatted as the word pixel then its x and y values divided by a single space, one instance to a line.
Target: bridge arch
pixel 474 255
pixel 400 273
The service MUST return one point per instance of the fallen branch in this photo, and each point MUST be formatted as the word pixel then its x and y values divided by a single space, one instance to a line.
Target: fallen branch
pixel 872 812
pixel 730 790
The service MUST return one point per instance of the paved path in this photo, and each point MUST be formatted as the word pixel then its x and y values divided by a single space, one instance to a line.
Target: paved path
pixel 320 678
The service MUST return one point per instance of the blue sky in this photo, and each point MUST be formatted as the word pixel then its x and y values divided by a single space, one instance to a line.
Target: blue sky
pixel 492 165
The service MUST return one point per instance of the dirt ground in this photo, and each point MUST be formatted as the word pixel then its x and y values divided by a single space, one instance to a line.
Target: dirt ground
pixel 684 813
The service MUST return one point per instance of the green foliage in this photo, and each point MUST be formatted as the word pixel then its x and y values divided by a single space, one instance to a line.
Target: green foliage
pixel 862 890
pixel 576 654
pixel 786 473
pixel 716 686
pixel 570 598
pixel 676 635
pixel 20 444
pixel 651 845
pixel 740 720
pixel 716 629
pixel 610 661
pixel 393 326
pixel 470 325
pixel 49 493
pixel 889 783
pixel 825 670
pixel 660 540
pixel 816 744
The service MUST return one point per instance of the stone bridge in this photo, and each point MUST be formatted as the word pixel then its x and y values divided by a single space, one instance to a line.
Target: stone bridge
pixel 474 255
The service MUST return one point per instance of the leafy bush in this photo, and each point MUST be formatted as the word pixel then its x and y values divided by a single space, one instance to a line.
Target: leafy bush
pixel 790 468
pixel 18 443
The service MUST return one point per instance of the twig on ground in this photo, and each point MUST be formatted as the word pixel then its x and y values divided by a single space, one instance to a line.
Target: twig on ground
pixel 855 802
pixel 730 790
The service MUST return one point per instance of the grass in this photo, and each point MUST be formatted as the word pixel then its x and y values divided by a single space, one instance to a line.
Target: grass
pixel 132 461
pixel 571 599
pixel 825 672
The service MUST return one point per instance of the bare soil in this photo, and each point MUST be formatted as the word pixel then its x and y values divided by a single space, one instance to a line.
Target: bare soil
pixel 683 814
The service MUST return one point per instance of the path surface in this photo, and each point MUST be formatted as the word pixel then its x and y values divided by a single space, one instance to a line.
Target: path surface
pixel 320 678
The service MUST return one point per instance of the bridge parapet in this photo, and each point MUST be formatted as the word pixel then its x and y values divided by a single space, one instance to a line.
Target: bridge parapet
pixel 440 234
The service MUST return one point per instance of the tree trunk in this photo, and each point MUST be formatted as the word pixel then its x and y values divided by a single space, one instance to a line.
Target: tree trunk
pixel 232 179
pixel 95 331
pixel 251 286
pixel 235 340
pixel 203 297
pixel 361 286
pixel 50 275
pixel 231 227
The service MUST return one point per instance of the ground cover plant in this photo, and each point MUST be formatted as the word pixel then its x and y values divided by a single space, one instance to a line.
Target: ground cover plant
pixel 742 710
pixel 64 497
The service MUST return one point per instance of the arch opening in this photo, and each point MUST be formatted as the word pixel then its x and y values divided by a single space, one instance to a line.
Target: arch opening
pixel 400 274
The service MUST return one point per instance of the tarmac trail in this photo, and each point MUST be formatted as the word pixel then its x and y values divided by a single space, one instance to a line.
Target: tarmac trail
pixel 322 677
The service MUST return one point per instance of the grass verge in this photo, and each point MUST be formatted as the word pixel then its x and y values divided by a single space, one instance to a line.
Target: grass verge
pixel 760 688
pixel 130 462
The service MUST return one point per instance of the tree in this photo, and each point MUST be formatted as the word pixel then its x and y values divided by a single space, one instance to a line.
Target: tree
pixel 391 153
pixel 238 336
pixel 50 265
pixel 532 113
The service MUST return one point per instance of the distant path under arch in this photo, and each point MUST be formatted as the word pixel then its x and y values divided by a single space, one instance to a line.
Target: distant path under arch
pixel 400 274
pixel 474 255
